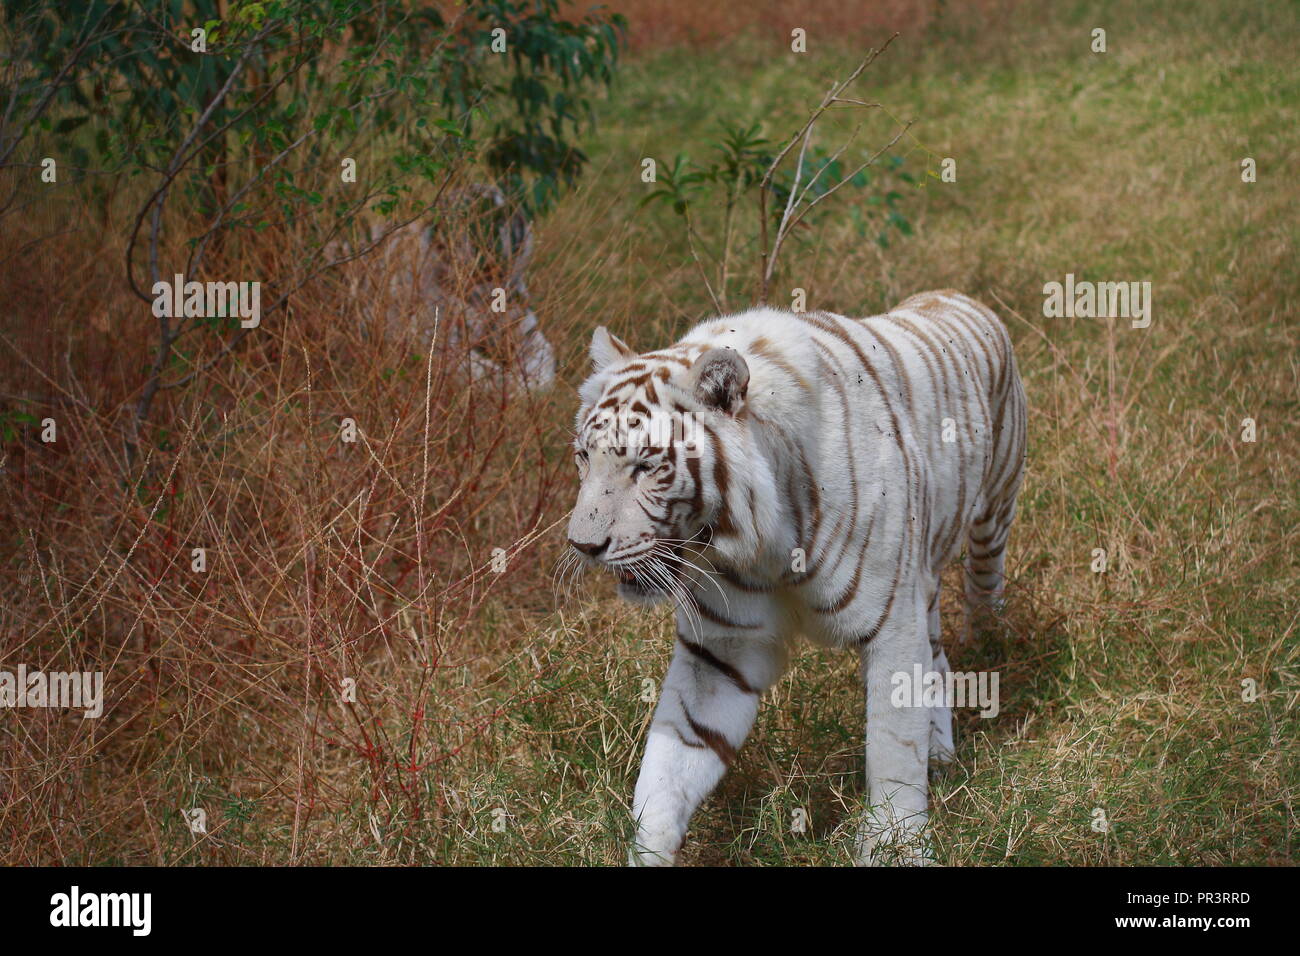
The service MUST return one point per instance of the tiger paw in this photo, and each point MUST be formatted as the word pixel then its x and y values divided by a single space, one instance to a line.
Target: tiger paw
pixel 640 855
pixel 658 838
pixel 896 845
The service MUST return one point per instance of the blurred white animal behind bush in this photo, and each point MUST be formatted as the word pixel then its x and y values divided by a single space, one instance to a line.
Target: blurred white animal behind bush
pixel 458 272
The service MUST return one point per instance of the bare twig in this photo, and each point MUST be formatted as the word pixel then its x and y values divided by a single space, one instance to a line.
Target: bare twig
pixel 704 274
pixel 888 146
pixel 768 253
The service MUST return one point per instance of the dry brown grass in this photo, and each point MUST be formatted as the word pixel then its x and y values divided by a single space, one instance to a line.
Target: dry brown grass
pixel 325 560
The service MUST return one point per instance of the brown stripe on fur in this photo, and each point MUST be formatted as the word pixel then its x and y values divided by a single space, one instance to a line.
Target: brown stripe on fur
pixel 709 614
pixel 884 615
pixel 715 741
pixel 928 348
pixel 706 655
pixel 851 589
pixel 762 348
pixel 721 479
pixel 669 357
pixel 739 583
pixel 852 509
pixel 830 328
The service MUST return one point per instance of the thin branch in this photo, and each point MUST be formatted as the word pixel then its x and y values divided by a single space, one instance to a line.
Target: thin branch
pixel 690 241
pixel 846 179
pixel 51 88
pixel 179 160
pixel 767 255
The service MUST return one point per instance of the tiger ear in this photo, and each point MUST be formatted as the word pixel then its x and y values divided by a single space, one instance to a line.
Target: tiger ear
pixel 607 348
pixel 719 379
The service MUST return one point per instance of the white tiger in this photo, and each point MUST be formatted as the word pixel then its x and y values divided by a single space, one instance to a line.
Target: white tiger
pixel 836 466
pixel 467 261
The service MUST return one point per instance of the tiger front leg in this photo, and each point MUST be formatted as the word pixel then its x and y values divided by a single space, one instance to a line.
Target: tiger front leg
pixel 943 746
pixel 897 745
pixel 706 708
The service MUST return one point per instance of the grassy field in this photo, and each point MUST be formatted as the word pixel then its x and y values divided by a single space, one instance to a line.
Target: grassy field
pixel 504 726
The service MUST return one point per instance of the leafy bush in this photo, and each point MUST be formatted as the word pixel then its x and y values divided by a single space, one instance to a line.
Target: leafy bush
pixel 251 116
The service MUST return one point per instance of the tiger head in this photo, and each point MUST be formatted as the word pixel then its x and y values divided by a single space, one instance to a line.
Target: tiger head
pixel 671 477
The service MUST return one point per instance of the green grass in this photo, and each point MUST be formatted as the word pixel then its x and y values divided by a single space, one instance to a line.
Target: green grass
pixel 1121 692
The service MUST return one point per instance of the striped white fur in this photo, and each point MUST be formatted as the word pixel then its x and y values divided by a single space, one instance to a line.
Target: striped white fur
pixel 820 436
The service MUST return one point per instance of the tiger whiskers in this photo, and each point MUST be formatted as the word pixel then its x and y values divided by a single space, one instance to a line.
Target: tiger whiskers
pixel 657 571
pixel 568 569
pixel 666 554
pixel 662 567
pixel 559 571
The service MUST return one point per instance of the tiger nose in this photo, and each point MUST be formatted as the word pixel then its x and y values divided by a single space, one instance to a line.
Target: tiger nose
pixel 590 548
